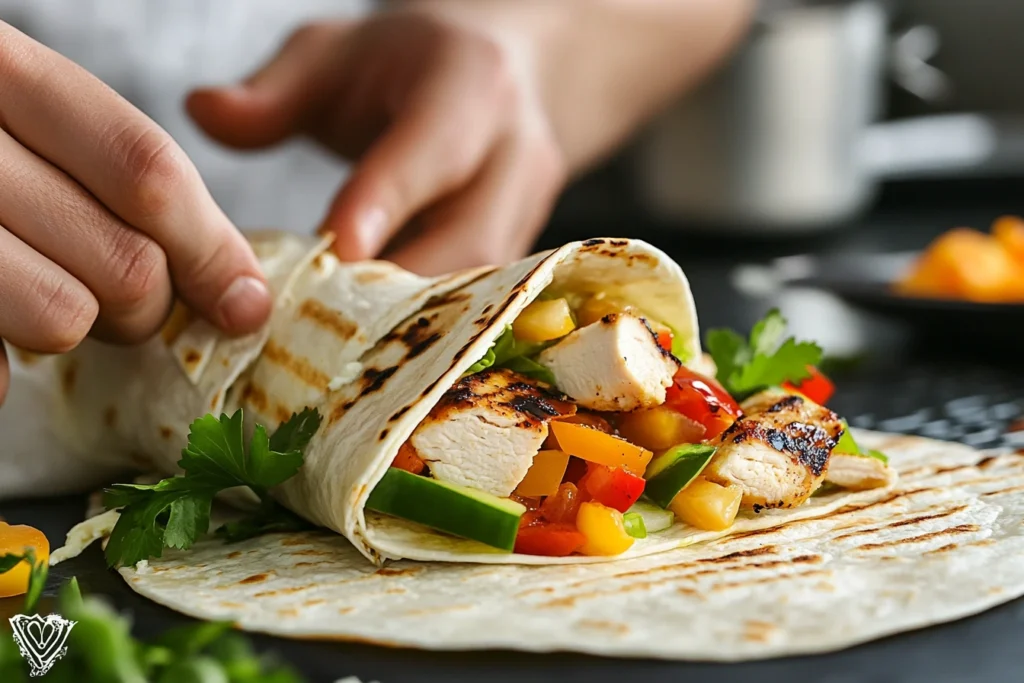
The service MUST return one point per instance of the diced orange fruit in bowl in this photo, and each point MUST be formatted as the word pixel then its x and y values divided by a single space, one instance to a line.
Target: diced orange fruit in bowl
pixel 13 541
pixel 1009 232
pixel 967 264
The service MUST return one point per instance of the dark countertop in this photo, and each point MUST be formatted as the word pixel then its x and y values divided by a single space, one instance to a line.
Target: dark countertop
pixel 898 376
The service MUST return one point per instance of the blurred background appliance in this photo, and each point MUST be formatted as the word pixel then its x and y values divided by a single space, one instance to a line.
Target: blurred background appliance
pixel 825 101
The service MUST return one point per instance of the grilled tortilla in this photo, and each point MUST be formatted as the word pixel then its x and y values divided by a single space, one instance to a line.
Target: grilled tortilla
pixel 944 544
pixel 376 350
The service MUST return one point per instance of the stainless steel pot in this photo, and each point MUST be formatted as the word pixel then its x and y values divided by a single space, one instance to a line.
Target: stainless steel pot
pixel 788 137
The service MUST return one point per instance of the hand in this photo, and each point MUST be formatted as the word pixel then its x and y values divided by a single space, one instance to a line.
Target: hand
pixel 457 163
pixel 102 215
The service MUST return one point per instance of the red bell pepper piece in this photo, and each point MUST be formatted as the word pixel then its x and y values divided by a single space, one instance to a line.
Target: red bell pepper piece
pixel 665 340
pixel 551 540
pixel 616 488
pixel 817 387
pixel 703 400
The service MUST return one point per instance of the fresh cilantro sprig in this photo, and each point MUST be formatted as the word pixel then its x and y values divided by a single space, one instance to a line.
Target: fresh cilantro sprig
pixel 175 512
pixel 746 366
pixel 509 352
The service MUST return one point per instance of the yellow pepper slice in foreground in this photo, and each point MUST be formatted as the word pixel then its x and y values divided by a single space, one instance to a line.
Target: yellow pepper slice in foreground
pixel 13 541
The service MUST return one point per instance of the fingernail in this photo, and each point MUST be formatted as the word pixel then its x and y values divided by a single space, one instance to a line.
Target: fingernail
pixel 371 230
pixel 245 306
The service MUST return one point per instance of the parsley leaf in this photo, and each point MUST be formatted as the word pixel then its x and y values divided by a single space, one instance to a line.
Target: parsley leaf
pixel 746 366
pixel 509 352
pixel 9 562
pixel 270 518
pixel 175 512
pixel 295 434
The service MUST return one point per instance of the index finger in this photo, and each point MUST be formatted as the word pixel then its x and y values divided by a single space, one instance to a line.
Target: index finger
pixel 137 170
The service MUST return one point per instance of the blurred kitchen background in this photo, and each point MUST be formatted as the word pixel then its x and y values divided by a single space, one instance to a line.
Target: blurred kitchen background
pixel 828 104
pixel 841 128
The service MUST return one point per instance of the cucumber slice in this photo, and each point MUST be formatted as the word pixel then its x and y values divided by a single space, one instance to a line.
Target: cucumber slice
pixel 453 509
pixel 634 523
pixel 655 518
pixel 671 472
pixel 847 444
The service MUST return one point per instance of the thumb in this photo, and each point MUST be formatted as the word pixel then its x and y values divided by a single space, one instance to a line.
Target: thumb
pixel 271 104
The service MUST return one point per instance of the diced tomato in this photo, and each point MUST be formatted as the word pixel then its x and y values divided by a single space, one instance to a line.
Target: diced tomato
pixel 665 340
pixel 408 460
pixel 817 387
pixel 561 507
pixel 528 503
pixel 551 540
pixel 531 518
pixel 703 400
pixel 576 470
pixel 615 488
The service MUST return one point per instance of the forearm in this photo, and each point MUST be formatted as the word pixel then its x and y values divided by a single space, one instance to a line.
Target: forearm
pixel 603 67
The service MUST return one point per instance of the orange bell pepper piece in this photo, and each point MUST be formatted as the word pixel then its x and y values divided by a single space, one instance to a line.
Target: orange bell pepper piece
pixel 592 445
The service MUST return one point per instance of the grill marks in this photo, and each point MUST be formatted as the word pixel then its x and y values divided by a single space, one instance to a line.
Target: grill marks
pixel 723 577
pixel 952 531
pixel 903 522
pixel 328 319
pixel 68 377
pixel 300 368
pixel 373 379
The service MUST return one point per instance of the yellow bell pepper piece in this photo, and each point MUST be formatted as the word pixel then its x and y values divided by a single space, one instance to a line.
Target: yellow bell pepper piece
pixel 660 428
pixel 604 529
pixel 598 306
pixel 596 446
pixel 13 541
pixel 544 475
pixel 707 505
pixel 543 321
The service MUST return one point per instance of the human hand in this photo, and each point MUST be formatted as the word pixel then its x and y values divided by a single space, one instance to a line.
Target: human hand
pixel 102 216
pixel 457 163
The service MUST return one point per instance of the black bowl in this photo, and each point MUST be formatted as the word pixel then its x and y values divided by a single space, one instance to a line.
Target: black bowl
pixel 865 280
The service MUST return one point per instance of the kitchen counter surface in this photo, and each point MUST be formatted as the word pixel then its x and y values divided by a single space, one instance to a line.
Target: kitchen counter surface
pixel 899 382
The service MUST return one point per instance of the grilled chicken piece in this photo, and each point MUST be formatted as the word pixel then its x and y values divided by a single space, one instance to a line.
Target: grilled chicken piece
pixel 778 452
pixel 613 365
pixel 858 472
pixel 485 430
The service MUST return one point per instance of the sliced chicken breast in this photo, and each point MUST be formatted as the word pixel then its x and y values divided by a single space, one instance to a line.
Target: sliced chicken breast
pixel 778 452
pixel 486 429
pixel 614 364
pixel 859 472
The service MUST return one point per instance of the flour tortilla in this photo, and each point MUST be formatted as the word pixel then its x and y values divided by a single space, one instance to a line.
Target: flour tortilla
pixel 944 544
pixel 373 348
pixel 74 421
